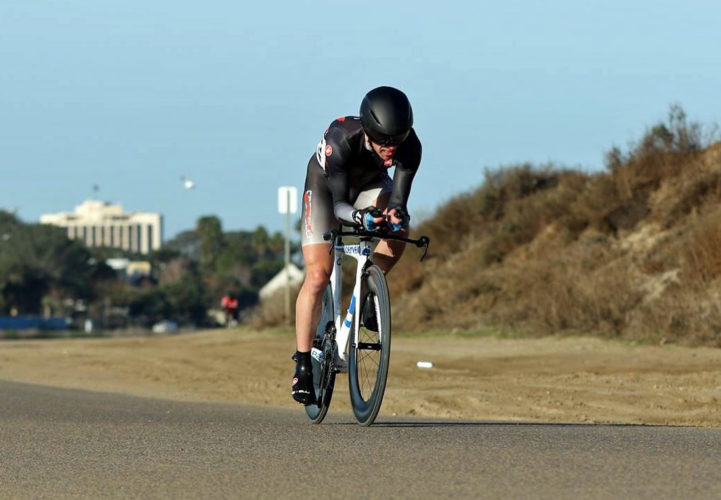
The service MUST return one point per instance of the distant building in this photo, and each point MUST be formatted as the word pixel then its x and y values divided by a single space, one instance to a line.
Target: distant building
pixel 100 224
pixel 288 274
pixel 130 268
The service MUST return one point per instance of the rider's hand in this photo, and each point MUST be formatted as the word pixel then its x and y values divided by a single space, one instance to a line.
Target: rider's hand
pixel 398 219
pixel 369 218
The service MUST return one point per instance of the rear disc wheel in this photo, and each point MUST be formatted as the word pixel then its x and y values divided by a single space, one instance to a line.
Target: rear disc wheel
pixel 323 373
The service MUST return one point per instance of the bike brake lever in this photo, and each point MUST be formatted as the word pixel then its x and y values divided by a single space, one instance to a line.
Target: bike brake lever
pixel 424 242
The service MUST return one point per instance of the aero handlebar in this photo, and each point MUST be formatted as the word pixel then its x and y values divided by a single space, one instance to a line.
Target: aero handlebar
pixel 422 242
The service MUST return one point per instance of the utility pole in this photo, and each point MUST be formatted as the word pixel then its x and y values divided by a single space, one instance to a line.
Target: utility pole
pixel 287 204
pixel 287 258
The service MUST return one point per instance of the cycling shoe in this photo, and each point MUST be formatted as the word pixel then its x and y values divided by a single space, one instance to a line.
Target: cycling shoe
pixel 302 388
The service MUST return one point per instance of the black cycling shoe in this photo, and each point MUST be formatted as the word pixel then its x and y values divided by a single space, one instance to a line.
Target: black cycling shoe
pixel 302 389
pixel 368 314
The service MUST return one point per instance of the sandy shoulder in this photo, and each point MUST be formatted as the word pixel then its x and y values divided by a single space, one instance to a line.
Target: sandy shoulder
pixel 549 379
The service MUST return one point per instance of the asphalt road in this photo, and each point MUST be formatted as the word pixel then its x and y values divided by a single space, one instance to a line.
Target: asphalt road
pixel 75 444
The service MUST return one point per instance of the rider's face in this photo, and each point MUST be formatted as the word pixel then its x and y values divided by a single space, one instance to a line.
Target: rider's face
pixel 385 152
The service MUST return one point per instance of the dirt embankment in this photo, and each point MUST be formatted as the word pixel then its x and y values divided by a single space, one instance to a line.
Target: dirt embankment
pixel 628 252
pixel 548 379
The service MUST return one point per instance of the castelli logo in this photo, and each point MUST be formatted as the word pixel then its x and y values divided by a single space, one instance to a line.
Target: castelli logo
pixel 341 119
pixel 307 199
pixel 328 150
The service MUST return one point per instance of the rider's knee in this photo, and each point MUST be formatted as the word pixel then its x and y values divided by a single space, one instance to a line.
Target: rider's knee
pixel 316 280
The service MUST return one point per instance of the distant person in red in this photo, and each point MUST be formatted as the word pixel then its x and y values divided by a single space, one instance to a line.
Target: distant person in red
pixel 230 306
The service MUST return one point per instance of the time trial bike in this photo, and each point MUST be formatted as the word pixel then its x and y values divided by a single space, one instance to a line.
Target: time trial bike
pixel 358 343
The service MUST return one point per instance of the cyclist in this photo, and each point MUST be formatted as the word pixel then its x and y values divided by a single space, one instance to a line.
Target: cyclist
pixel 346 178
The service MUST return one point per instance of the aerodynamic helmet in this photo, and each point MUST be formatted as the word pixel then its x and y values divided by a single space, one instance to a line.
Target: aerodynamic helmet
pixel 386 115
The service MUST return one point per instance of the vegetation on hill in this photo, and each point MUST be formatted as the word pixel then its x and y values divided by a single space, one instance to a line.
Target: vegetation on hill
pixel 633 251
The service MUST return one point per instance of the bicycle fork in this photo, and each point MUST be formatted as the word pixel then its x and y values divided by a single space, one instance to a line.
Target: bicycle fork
pixel 361 253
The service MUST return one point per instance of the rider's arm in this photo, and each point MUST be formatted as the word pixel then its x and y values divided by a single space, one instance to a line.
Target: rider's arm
pixel 342 210
pixel 336 153
pixel 406 169
pixel 402 180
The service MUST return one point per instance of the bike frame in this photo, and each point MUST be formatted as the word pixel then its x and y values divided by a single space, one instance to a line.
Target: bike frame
pixel 361 252
pixel 330 350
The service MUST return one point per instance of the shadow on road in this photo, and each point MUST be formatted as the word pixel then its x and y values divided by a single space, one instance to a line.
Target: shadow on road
pixel 501 424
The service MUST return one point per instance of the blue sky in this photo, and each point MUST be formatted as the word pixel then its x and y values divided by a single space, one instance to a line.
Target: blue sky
pixel 132 95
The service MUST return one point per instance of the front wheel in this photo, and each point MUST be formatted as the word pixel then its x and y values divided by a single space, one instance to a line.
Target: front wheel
pixel 370 355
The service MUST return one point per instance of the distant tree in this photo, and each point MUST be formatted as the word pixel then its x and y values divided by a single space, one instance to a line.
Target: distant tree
pixel 186 243
pixel 264 270
pixel 150 306
pixel 210 230
pixel 187 299
pixel 239 248
pixel 247 297
pixel 8 221
pixel 37 259
pixel 163 256
pixel 40 268
pixel 172 272
pixel 276 243
pixel 260 240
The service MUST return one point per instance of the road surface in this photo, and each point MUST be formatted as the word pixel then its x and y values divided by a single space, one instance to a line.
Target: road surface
pixel 59 443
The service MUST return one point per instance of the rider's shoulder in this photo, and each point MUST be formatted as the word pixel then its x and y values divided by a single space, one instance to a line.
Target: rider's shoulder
pixel 345 135
pixel 410 150
pixel 347 126
pixel 412 140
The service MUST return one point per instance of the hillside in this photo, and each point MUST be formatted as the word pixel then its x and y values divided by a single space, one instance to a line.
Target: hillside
pixel 633 251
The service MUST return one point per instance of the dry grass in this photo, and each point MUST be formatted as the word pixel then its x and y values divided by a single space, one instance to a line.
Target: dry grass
pixel 271 311
pixel 701 257
pixel 633 252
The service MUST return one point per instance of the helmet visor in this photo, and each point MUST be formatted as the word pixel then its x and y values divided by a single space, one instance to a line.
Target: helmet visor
pixel 388 140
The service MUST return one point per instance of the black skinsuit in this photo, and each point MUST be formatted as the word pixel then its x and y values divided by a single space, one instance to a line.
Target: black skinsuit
pixel 344 168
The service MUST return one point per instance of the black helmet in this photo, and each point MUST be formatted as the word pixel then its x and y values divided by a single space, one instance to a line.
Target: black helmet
pixel 386 115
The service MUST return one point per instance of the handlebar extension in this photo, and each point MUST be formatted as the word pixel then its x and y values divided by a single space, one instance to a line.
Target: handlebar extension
pixel 422 242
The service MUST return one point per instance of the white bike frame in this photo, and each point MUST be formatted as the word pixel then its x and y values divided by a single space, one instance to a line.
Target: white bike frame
pixel 361 252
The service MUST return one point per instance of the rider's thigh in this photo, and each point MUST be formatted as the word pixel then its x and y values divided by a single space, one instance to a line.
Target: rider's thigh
pixel 317 212
pixel 376 193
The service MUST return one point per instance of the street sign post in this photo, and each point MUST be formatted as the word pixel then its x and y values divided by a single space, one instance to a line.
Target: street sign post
pixel 287 204
pixel 287 200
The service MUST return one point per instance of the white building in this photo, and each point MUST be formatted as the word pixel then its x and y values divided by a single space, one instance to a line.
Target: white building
pixel 290 274
pixel 100 224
